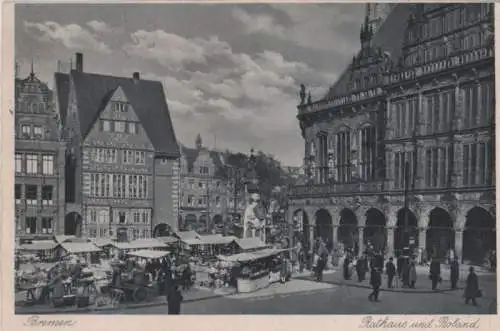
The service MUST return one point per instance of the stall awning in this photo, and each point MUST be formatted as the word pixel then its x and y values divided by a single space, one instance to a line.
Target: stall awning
pixel 186 235
pixel 101 242
pixel 250 243
pixel 40 245
pixel 147 243
pixel 75 248
pixel 62 238
pixel 167 240
pixel 149 254
pixel 215 239
pixel 251 256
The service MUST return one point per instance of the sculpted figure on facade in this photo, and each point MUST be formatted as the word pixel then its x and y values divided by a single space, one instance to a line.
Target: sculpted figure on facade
pixel 302 94
pixel 254 220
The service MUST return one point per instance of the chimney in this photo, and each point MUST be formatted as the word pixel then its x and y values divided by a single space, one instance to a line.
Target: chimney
pixel 136 76
pixel 79 62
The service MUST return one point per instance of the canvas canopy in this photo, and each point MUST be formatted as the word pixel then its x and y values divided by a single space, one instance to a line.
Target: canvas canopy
pixel 167 240
pixel 148 254
pixel 250 243
pixel 186 235
pixel 147 243
pixel 41 245
pixel 75 248
pixel 246 257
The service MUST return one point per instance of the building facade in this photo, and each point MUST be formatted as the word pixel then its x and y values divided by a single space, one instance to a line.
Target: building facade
pixel 39 162
pixel 207 197
pixel 122 169
pixel 400 152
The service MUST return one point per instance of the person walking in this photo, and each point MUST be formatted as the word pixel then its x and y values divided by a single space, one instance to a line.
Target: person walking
pixel 174 299
pixel 413 274
pixel 375 282
pixel 472 290
pixel 345 267
pixel 405 273
pixel 454 273
pixel 390 270
pixel 435 273
pixel 360 269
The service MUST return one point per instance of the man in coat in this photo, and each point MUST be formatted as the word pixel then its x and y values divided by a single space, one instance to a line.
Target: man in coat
pixel 375 282
pixel 174 301
pixel 345 267
pixel 472 288
pixel 390 269
pixel 454 273
pixel 435 273
pixel 360 268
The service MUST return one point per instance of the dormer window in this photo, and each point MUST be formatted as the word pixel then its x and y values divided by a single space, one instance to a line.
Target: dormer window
pixel 119 126
pixel 120 106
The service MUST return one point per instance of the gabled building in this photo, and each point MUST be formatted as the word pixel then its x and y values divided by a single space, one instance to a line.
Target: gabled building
pixel 122 161
pixel 207 197
pixel 400 151
pixel 39 162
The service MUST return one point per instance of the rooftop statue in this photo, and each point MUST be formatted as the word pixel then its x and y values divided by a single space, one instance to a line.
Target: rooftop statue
pixel 302 94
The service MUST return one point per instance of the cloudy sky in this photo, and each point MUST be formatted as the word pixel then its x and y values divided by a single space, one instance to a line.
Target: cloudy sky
pixel 230 72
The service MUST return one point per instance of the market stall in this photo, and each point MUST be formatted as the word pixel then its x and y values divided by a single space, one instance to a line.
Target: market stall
pixel 207 246
pixel 251 270
pixel 249 245
pixel 44 250
pixel 82 250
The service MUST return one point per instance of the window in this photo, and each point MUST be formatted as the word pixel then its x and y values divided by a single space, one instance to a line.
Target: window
pixel 31 194
pixel 30 225
pixel 17 193
pixel 47 225
pixel 92 233
pixel 26 131
pixel 403 169
pixel 477 163
pixel 106 126
pixel 368 153
pixel 104 216
pixel 433 114
pixel 119 106
pixel 163 161
pixel 37 131
pixel 486 105
pixel 344 157
pixel 437 166
pixel 120 126
pixel 132 127
pixel 103 232
pixel 92 216
pixel 19 163
pixel 47 195
pixel 200 184
pixel 204 171
pixel 217 201
pixel 191 183
pixel 128 157
pixel 48 164
pixel 140 157
pixel 200 201
pixel 122 217
pixel 32 164
pixel 190 200
pixel 445 124
pixel 470 106
pixel 137 216
pixel 146 216
pixel 118 186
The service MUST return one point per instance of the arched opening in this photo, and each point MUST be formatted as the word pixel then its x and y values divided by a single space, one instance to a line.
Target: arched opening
pixel 218 223
pixel 406 232
pixel 440 236
pixel 479 237
pixel 323 227
pixel 301 228
pixel 73 224
pixel 347 232
pixel 162 230
pixel 203 224
pixel 375 234
pixel 190 222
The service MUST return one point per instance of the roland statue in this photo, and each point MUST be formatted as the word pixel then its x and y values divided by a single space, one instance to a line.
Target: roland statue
pixel 254 220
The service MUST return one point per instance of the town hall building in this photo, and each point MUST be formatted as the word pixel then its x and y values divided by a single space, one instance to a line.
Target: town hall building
pixel 400 151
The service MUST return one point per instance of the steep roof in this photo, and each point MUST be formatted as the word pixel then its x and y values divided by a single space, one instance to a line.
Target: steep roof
pixel 62 88
pixel 192 154
pixel 389 37
pixel 146 97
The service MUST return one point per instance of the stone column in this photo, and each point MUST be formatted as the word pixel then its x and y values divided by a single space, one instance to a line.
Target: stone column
pixel 311 245
pixel 422 237
pixel 390 241
pixel 361 230
pixel 334 234
pixel 459 236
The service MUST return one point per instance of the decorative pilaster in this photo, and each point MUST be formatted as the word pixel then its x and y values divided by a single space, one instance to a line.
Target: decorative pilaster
pixel 458 122
pixel 360 239
pixel 457 175
pixel 459 236
pixel 390 242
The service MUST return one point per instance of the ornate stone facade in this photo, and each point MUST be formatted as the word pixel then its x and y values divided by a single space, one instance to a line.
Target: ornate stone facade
pixel 425 83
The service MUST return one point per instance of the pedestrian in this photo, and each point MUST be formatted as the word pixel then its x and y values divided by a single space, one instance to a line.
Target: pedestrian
pixel 390 270
pixel 345 267
pixel 174 299
pixel 435 273
pixel 375 282
pixel 454 273
pixel 472 290
pixel 413 274
pixel 405 273
pixel 399 264
pixel 493 261
pixel 360 269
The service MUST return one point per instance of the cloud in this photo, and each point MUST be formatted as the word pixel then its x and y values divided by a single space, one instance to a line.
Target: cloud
pixel 103 27
pixel 317 26
pixel 72 36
